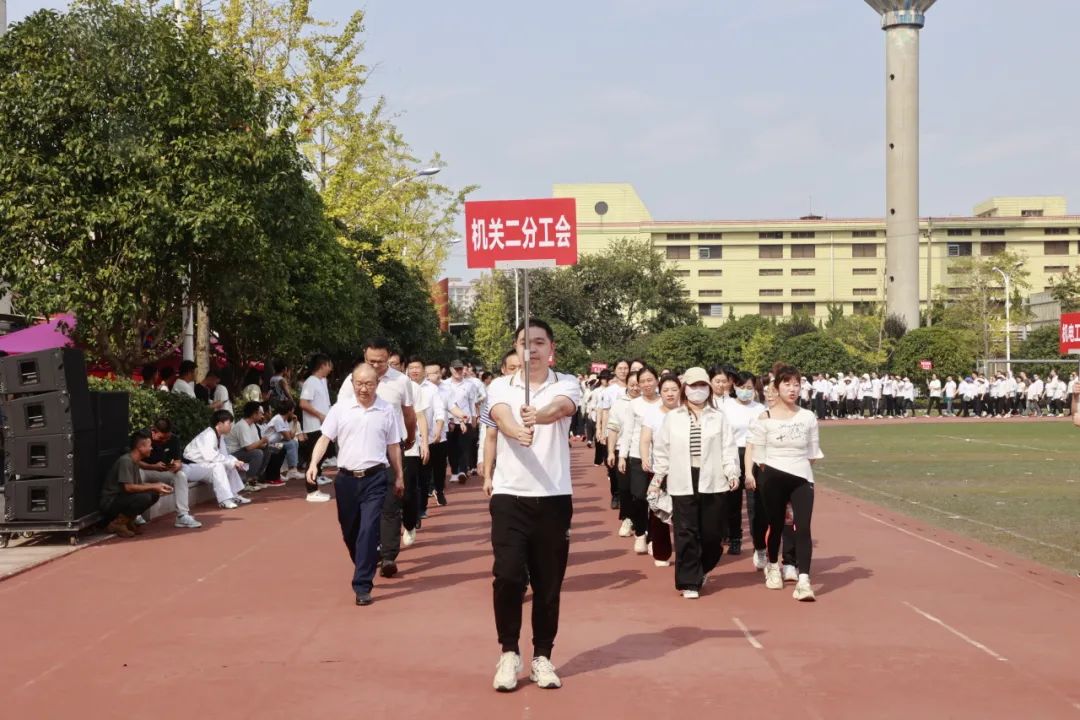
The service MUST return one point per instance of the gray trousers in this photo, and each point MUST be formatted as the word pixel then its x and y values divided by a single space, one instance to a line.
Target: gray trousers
pixel 178 480
pixel 256 460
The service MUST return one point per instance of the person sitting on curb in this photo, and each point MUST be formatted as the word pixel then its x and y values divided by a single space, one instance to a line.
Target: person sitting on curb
pixel 124 495
pixel 163 464
pixel 207 459
pixel 246 443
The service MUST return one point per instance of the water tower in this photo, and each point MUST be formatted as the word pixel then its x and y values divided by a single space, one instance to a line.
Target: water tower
pixel 902 20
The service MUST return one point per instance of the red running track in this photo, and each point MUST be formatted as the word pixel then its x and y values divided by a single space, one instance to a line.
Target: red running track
pixel 253 617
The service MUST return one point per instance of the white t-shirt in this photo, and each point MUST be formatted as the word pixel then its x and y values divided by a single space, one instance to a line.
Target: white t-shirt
pixel 183 387
pixel 315 391
pixel 242 434
pixel 394 387
pixel 654 420
pixel 362 434
pixel 788 445
pixel 274 429
pixel 422 406
pixel 221 395
pixel 543 468
pixel 950 389
pixel 740 416
pixel 630 434
pixel 935 388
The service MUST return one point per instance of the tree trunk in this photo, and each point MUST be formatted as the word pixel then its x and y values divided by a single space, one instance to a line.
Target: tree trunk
pixel 202 342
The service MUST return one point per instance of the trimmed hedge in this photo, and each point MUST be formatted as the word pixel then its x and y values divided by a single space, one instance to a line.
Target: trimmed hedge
pixel 189 416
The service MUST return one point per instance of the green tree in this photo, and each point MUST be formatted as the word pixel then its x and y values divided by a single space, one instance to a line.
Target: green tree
pixel 952 350
pixel 683 347
pixel 1065 288
pixel 492 334
pixel 975 297
pixel 570 353
pixel 761 350
pixel 862 337
pixel 733 336
pixel 817 352
pixel 1041 344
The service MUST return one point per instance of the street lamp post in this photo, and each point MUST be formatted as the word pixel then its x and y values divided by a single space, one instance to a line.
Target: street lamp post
pixel 1008 310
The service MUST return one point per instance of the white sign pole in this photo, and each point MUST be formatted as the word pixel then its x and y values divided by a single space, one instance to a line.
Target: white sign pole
pixel 528 345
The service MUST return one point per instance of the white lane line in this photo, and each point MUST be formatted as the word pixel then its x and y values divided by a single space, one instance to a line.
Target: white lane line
pixel 749 636
pixel 1001 444
pixel 957 633
pixel 932 542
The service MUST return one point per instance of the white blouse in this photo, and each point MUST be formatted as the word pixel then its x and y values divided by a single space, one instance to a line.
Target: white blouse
pixel 788 445
pixel 630 432
pixel 740 416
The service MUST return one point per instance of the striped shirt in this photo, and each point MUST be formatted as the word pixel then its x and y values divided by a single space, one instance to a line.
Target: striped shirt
pixel 695 437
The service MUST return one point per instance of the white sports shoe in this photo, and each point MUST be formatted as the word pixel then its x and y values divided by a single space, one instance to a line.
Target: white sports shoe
pixel 661 563
pixel 803 591
pixel 691 594
pixel 241 500
pixel 543 674
pixel 140 520
pixel 229 504
pixel 408 538
pixel 791 573
pixel 627 528
pixel 506 672
pixel 773 579
pixel 317 496
pixel 187 521
pixel 761 559
pixel 294 474
pixel 641 547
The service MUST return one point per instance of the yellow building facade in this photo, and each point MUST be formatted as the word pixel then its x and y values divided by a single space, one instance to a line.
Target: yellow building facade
pixel 777 268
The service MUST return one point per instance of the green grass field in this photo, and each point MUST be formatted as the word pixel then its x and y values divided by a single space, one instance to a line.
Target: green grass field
pixel 1014 485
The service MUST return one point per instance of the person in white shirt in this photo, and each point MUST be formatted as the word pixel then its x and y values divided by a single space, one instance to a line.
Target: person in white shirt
pixel 866 394
pixel 615 389
pixel 851 396
pixel 185 379
pixel 617 417
pixel 629 446
pixel 697 458
pixel 219 394
pixel 437 448
pixel 368 436
pixel 245 443
pixel 427 396
pixel 479 396
pixel 784 441
pixel 207 459
pixel 462 408
pixel 531 503
pixel 1034 396
pixel 660 505
pixel 314 405
pixel 488 437
pixel 279 431
pixel 934 389
pixel 879 399
pixel 739 415
pixel 950 395
pixel 418 456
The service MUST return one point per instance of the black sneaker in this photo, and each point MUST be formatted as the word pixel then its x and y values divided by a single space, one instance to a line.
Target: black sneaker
pixel 364 599
pixel 614 503
pixel 440 499
pixel 388 569
pixel 735 547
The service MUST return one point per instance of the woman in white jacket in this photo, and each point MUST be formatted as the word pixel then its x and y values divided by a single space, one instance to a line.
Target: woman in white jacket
pixel 695 454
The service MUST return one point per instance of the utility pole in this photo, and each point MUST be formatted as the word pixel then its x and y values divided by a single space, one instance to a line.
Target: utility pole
pixel 3 17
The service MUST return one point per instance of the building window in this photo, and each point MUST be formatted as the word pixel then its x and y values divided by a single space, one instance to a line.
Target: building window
pixel 863 233
pixel 770 292
pixel 1055 268
pixel 1031 213
pixel 863 292
pixel 959 249
pixel 803 235
pixel 802 271
pixel 958 270
pixel 804 308
pixel 803 251
pixel 770 272
pixel 992 231
pixel 1055 231
pixel 864 251
pixel 710 273
pixel 1056 247
pixel 864 271
pixel 803 292
pixel 711 310
pixel 710 293
pixel 992 248
pixel 862 308
pixel 770 236
pixel 710 236
pixel 682 273
pixel 953 232
pixel 678 236
pixel 710 252
pixel 770 252
pixel 958 291
pixel 771 309
pixel 674 252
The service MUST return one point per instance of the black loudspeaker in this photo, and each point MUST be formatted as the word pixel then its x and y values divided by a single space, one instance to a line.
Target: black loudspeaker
pixel 111 418
pixel 52 413
pixel 64 498
pixel 60 369
pixel 49 455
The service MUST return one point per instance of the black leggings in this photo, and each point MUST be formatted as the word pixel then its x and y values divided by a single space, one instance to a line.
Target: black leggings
pixel 779 488
pixel 639 480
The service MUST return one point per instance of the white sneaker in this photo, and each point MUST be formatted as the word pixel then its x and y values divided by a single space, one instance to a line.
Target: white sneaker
pixel 186 521
pixel 253 487
pixel 240 499
pixel 229 504
pixel 661 563
pixel 317 496
pixel 773 579
pixel 803 591
pixel 791 573
pixel 140 520
pixel 691 594
pixel 761 559
pixel 543 674
pixel 408 538
pixel 640 546
pixel 506 672
pixel 294 474
pixel 330 462
pixel 323 480
pixel 627 528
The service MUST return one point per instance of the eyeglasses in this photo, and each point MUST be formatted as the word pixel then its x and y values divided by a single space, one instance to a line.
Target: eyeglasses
pixel 364 383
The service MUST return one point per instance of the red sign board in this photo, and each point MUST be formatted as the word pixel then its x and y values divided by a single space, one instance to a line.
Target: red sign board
pixel 1069 337
pixel 598 367
pixel 926 364
pixel 521 233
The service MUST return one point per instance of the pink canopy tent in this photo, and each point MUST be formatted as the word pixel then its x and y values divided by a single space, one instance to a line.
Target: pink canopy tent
pixel 44 336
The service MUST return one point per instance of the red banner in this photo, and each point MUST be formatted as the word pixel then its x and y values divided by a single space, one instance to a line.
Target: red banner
pixel 598 367
pixel 926 364
pixel 1069 337
pixel 525 233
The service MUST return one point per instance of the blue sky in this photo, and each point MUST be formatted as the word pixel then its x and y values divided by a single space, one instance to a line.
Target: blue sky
pixel 724 109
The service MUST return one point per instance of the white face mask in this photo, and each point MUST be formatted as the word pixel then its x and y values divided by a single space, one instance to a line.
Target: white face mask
pixel 744 394
pixel 697 395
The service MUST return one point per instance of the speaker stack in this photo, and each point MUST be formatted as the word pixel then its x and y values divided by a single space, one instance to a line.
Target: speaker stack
pixel 60 440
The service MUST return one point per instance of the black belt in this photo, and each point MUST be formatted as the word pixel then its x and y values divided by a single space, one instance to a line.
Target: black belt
pixel 373 470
